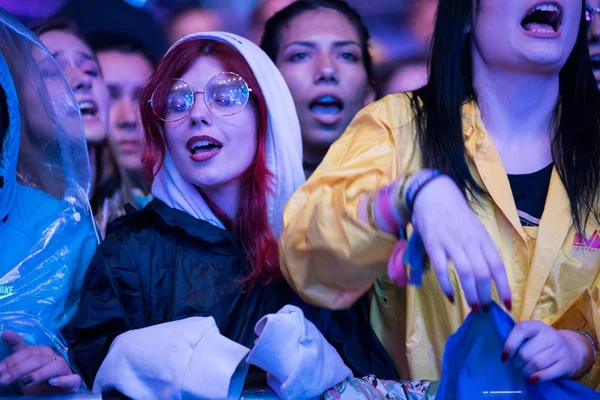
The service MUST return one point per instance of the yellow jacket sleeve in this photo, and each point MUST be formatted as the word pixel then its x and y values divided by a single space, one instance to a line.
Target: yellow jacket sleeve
pixel 328 255
pixel 583 314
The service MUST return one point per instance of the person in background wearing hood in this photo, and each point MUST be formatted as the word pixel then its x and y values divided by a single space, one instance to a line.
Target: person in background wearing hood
pixel 126 66
pixel 47 234
pixel 224 143
pixel 82 69
pixel 322 50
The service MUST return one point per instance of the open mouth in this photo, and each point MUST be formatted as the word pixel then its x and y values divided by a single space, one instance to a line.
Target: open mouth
pixel 595 62
pixel 204 144
pixel 326 105
pixel 544 18
pixel 88 108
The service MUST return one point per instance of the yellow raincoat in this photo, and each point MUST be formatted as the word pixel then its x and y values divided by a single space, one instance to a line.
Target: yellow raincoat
pixel 331 258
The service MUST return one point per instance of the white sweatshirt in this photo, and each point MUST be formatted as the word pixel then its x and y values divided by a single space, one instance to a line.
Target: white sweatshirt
pixel 300 363
pixel 190 359
pixel 186 359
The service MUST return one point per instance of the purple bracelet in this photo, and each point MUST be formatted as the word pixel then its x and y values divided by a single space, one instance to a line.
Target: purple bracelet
pixel 420 181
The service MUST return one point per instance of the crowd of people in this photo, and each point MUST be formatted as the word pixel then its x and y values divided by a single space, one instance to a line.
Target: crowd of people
pixel 245 212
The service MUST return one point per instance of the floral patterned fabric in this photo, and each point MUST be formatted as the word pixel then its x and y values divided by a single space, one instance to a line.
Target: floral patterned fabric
pixel 371 388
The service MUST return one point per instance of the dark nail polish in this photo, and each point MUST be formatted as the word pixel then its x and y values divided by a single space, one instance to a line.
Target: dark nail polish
pixel 451 298
pixel 476 307
pixel 27 381
pixel 486 308
pixel 504 357
pixel 508 305
pixel 534 379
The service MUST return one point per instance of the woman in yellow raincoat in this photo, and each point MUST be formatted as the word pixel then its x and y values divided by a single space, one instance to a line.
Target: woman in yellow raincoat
pixel 496 164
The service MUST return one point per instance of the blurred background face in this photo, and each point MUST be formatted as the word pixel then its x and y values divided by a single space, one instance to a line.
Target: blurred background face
pixel 81 68
pixel 263 11
pixel 400 30
pixel 406 78
pixel 125 73
pixel 421 21
pixel 594 36
pixel 192 21
pixel 320 58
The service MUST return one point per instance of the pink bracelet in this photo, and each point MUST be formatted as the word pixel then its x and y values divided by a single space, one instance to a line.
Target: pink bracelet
pixel 384 207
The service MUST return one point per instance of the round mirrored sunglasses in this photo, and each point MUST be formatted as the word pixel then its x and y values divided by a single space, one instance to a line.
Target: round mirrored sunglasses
pixel 225 94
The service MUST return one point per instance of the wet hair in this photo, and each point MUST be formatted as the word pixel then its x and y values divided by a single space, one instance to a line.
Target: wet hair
pixel 272 35
pixel 252 225
pixel 576 121
pixel 115 41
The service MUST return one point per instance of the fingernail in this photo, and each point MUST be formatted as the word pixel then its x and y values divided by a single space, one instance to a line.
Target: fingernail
pixel 450 298
pixel 26 381
pixel 475 307
pixel 534 379
pixel 504 356
pixel 486 308
pixel 54 381
pixel 508 305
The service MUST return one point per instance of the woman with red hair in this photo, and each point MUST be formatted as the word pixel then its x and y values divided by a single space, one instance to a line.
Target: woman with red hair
pixel 223 139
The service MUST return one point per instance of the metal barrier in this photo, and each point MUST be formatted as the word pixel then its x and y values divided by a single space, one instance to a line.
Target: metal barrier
pixel 256 394
pixel 252 394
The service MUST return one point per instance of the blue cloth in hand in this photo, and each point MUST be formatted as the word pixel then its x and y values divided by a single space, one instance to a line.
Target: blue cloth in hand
pixel 471 367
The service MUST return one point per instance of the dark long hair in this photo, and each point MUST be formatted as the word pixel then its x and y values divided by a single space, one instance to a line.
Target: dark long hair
pixel 437 109
pixel 271 39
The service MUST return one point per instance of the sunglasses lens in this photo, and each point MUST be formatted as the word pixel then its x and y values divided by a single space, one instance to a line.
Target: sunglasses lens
pixel 227 94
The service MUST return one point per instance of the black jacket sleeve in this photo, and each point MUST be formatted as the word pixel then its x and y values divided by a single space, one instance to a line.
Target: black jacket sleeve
pixel 111 303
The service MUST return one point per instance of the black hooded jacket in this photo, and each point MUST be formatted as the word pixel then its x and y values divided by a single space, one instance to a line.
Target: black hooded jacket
pixel 160 265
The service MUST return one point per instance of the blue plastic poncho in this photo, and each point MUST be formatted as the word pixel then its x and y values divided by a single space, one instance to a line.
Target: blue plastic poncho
pixel 47 234
pixel 472 368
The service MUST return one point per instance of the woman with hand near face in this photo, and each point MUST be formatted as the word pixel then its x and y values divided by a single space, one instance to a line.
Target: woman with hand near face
pixel 495 164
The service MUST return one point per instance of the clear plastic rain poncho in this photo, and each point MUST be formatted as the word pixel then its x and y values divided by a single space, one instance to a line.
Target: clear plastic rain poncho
pixel 47 233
